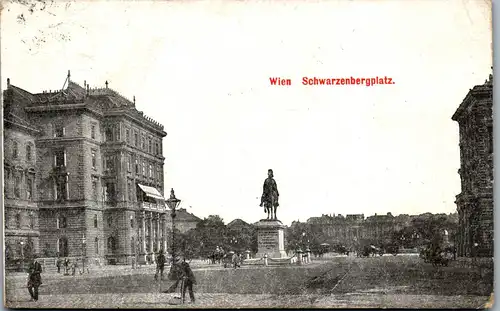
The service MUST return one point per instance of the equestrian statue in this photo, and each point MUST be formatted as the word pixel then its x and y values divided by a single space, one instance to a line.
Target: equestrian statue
pixel 270 195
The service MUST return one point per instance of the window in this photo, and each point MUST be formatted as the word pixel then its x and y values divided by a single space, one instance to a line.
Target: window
pixel 143 143
pixel 59 130
pixel 110 220
pixel 15 150
pixel 28 152
pixel 18 220
pixel 127 135
pixel 129 190
pixel 144 167
pixel 157 149
pixel 94 189
pixel 32 220
pixel 96 245
pixel 59 158
pixel 61 222
pixel 129 163
pixel 136 139
pixel 117 132
pixel 110 192
pixel 150 170
pixel 136 166
pixel 109 163
pixel 111 243
pixel 61 188
pixel 94 158
pixel 92 131
pixel 132 245
pixel 17 187
pixel 150 146
pixel 131 221
pixel 109 134
pixel 29 188
pixel 95 221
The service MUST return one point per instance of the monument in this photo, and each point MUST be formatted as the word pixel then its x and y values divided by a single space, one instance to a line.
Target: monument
pixel 270 231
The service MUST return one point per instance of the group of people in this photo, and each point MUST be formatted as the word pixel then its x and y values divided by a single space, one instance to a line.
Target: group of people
pixel 180 272
pixel 69 265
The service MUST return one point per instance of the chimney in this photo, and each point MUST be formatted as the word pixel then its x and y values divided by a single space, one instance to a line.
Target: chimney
pixel 134 100
pixel 84 83
pixel 69 75
pixel 106 83
pixel 8 82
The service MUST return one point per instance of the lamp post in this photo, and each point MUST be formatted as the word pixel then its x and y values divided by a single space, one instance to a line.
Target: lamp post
pixel 173 203
pixel 22 255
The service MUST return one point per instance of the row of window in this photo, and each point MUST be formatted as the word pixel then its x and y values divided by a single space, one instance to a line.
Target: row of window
pixel 142 141
pixel 15 151
pixel 18 223
pixel 20 192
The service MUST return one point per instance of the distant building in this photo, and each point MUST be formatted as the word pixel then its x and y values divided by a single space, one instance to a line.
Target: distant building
pixel 475 202
pixel 84 175
pixel 184 221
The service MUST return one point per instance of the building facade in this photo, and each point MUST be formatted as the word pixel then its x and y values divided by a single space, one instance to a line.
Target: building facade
pixel 97 168
pixel 475 202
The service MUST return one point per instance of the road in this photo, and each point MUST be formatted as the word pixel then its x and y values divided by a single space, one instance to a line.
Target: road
pixel 381 282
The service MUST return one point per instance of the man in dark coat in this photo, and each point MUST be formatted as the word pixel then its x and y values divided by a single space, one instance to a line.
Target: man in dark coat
pixel 160 264
pixel 34 279
pixel 189 280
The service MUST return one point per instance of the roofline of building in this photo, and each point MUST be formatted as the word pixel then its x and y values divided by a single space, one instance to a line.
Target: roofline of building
pixel 29 130
pixel 479 91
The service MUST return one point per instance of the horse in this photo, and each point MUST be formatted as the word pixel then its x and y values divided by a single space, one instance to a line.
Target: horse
pixel 271 205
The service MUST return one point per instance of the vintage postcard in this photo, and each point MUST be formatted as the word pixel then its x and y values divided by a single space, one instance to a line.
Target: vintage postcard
pixel 247 154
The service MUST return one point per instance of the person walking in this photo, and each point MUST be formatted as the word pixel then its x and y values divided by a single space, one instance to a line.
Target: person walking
pixel 58 264
pixel 189 280
pixel 235 259
pixel 34 279
pixel 160 264
pixel 66 266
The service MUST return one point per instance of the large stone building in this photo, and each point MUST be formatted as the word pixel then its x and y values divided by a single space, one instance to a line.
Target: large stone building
pixel 84 175
pixel 475 202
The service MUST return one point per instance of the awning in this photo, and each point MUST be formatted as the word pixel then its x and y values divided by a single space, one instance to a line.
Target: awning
pixel 151 192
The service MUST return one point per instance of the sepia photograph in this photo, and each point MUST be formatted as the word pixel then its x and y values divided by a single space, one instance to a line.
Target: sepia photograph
pixel 247 154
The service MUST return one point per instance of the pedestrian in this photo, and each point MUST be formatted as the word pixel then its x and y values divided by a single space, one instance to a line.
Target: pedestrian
pixel 66 266
pixel 73 268
pixel 175 274
pixel 34 279
pixel 58 264
pixel 235 259
pixel 189 280
pixel 160 264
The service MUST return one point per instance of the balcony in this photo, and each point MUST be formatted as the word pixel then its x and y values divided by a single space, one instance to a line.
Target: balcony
pixel 151 206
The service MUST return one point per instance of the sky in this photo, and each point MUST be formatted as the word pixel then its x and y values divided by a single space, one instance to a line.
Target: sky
pixel 203 69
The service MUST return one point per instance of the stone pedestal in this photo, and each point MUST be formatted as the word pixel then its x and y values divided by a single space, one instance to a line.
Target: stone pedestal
pixel 270 239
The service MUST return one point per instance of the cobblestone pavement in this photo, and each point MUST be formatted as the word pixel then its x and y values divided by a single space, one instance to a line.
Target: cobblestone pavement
pixel 207 300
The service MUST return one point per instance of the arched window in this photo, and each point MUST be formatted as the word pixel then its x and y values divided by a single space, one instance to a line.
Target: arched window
pixel 95 221
pixel 28 152
pixel 96 246
pixel 15 150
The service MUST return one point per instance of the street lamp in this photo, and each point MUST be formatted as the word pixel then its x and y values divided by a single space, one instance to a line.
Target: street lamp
pixel 22 255
pixel 173 203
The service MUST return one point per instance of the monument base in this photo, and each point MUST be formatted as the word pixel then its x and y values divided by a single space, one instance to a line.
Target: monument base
pixel 270 239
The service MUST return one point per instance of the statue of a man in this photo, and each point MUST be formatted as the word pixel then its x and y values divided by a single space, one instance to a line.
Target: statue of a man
pixel 270 195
